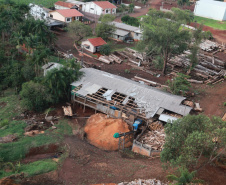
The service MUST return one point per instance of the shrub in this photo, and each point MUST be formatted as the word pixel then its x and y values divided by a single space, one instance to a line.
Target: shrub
pixel 130 20
pixel 35 96
pixel 127 71
pixel 105 49
pixel 4 122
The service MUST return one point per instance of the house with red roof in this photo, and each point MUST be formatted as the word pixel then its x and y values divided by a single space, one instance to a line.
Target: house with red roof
pixel 93 45
pixel 67 15
pixel 60 5
pixel 99 7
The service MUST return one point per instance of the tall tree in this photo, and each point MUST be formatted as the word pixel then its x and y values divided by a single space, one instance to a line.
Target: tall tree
pixel 79 31
pixel 162 38
pixel 105 28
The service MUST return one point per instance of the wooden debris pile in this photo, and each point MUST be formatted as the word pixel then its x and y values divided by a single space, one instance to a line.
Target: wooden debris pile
pixel 143 182
pixel 154 139
pixel 209 68
pixel 208 45
pixel 67 110
pixel 157 125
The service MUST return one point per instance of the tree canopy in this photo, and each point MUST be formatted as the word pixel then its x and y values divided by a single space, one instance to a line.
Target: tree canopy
pixel 190 138
pixel 162 38
pixel 79 31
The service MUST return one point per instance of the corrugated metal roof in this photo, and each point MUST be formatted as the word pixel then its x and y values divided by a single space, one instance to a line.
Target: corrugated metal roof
pixel 146 97
pixel 125 26
pixel 121 32
pixel 213 2
pixel 166 118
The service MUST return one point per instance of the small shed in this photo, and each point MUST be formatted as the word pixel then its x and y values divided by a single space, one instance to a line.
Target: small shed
pixel 120 34
pixel 211 9
pixel 93 44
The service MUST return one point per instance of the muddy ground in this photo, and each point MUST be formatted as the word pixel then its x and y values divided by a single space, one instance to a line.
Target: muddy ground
pixel 87 164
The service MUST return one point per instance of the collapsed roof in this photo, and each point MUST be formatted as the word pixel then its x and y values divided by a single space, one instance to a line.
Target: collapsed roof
pixel 147 98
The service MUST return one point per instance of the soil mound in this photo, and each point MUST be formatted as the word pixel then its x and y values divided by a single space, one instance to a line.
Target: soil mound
pixel 100 131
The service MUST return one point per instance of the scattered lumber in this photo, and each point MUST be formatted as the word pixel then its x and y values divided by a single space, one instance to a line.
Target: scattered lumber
pixel 115 58
pixel 195 81
pixel 198 108
pixel 154 139
pixel 157 125
pixel 224 117
pixel 189 103
pixel 67 110
pixel 154 84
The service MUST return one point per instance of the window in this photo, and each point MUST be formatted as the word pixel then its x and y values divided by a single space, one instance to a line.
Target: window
pixel 51 15
pixel 68 19
pixel 137 34
pixel 106 11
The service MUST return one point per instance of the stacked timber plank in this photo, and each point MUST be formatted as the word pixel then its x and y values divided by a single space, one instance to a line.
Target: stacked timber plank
pixel 110 59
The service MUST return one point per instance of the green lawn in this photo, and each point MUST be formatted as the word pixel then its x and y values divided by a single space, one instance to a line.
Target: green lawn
pixel 45 3
pixel 221 25
pixel 15 151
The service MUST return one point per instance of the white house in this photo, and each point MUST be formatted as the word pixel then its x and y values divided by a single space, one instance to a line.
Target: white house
pixel 67 15
pixel 211 9
pixel 93 45
pixel 99 7
pixel 39 12
pixel 60 5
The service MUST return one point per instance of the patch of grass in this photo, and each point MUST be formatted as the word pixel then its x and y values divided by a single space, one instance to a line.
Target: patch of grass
pixel 35 168
pixel 224 104
pixel 45 3
pixel 221 25
pixel 15 127
pixel 4 122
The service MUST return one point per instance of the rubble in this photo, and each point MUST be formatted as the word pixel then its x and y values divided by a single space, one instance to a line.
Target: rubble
pixel 8 138
pixel 208 45
pixel 153 139
pixel 143 182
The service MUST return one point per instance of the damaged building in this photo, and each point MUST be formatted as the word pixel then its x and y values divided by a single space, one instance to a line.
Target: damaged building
pixel 119 97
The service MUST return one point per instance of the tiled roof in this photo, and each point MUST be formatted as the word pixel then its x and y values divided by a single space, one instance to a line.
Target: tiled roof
pixel 70 13
pixel 64 4
pixel 97 41
pixel 104 4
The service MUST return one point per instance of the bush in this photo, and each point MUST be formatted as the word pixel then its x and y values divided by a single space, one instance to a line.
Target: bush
pixel 35 96
pixel 105 49
pixel 130 20
pixel 4 122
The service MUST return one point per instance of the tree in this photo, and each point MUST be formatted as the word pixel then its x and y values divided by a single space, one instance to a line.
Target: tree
pixel 179 84
pixel 105 28
pixel 58 82
pixel 184 16
pixel 191 137
pixel 79 31
pixel 183 2
pixel 162 38
pixel 107 18
pixel 105 49
pixel 131 7
pixel 35 96
pixel 130 20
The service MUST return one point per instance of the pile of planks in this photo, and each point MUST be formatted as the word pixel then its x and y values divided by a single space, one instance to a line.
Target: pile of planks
pixel 157 125
pixel 208 45
pixel 67 110
pixel 154 139
pixel 208 68
pixel 110 59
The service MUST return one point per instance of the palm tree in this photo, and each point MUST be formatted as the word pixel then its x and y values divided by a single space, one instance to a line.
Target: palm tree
pixel 185 177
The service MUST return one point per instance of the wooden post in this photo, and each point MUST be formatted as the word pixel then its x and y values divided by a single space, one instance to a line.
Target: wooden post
pixel 84 105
